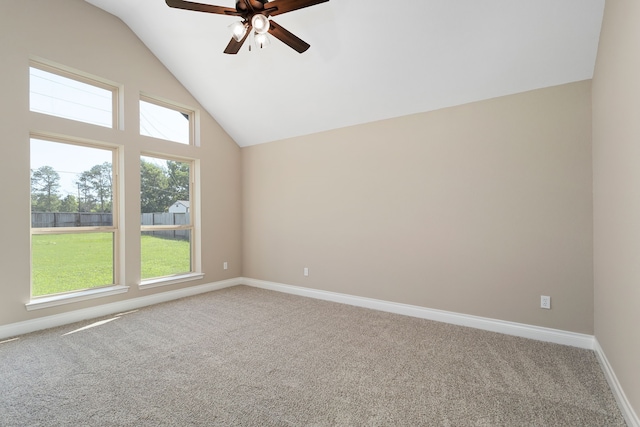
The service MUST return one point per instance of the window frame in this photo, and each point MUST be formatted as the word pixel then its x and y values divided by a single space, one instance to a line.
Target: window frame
pixel 192 227
pixel 91 136
pixel 49 300
pixel 85 78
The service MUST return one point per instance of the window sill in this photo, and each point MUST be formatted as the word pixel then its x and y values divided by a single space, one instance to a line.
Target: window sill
pixel 170 280
pixel 55 300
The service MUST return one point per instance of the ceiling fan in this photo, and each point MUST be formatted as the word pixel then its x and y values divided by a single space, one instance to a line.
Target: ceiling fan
pixel 255 16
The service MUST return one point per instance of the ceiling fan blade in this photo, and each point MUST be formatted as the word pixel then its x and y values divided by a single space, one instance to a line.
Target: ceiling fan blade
pixel 288 38
pixel 234 46
pixel 277 7
pixel 199 7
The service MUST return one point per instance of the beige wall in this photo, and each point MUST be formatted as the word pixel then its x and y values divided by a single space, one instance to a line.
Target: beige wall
pixel 477 209
pixel 616 184
pixel 78 35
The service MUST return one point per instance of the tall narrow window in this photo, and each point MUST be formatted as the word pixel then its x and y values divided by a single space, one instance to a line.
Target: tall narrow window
pixel 73 226
pixel 62 94
pixel 165 121
pixel 166 217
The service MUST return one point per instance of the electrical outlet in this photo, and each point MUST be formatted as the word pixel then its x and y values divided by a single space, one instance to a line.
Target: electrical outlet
pixel 225 265
pixel 305 271
pixel 545 302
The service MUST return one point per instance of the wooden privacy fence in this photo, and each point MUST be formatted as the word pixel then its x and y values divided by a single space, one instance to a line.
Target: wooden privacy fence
pixel 89 219
pixel 70 219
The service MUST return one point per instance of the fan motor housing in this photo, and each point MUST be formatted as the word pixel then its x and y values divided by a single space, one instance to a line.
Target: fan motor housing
pixel 241 5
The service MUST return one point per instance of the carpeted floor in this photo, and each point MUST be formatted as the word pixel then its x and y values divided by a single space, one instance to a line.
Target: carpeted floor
pixel 249 357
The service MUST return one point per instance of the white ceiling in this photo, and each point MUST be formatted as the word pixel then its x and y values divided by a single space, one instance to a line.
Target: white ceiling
pixel 369 59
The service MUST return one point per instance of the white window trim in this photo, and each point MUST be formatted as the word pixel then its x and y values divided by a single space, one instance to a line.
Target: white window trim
pixel 72 297
pixel 169 280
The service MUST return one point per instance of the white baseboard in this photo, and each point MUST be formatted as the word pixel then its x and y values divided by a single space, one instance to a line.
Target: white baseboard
pixel 501 326
pixel 623 403
pixel 510 328
pixel 20 328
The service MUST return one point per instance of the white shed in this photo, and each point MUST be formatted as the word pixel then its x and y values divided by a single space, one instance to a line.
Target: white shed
pixel 181 206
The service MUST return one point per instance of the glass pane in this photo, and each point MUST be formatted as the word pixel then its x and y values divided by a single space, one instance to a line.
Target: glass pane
pixel 71 185
pixel 164 191
pixel 165 253
pixel 164 123
pixel 70 262
pixel 70 99
pixel 164 200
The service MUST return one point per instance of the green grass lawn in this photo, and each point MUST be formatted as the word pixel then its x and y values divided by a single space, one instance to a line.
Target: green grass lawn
pixel 163 257
pixel 70 262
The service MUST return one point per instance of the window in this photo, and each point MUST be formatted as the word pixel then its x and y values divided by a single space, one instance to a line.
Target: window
pixel 76 240
pixel 166 217
pixel 162 120
pixel 70 96
pixel 73 216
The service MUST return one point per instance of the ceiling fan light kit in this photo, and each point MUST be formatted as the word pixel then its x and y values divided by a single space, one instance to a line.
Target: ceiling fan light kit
pixel 238 29
pixel 255 16
pixel 260 23
pixel 261 40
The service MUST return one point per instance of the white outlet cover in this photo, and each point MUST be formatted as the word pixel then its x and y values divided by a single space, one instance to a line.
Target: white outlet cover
pixel 545 302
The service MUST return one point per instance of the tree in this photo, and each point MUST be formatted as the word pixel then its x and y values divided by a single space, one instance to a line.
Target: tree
pixel 95 189
pixel 178 180
pixel 86 199
pixel 69 204
pixel 154 188
pixel 45 183
pixel 102 185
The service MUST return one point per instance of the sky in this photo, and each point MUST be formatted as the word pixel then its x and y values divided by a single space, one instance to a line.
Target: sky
pixel 68 160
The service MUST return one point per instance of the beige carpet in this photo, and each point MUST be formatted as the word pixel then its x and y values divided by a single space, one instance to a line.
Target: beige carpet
pixel 249 357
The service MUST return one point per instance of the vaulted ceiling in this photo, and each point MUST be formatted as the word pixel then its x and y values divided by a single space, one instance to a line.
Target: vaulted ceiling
pixel 369 59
